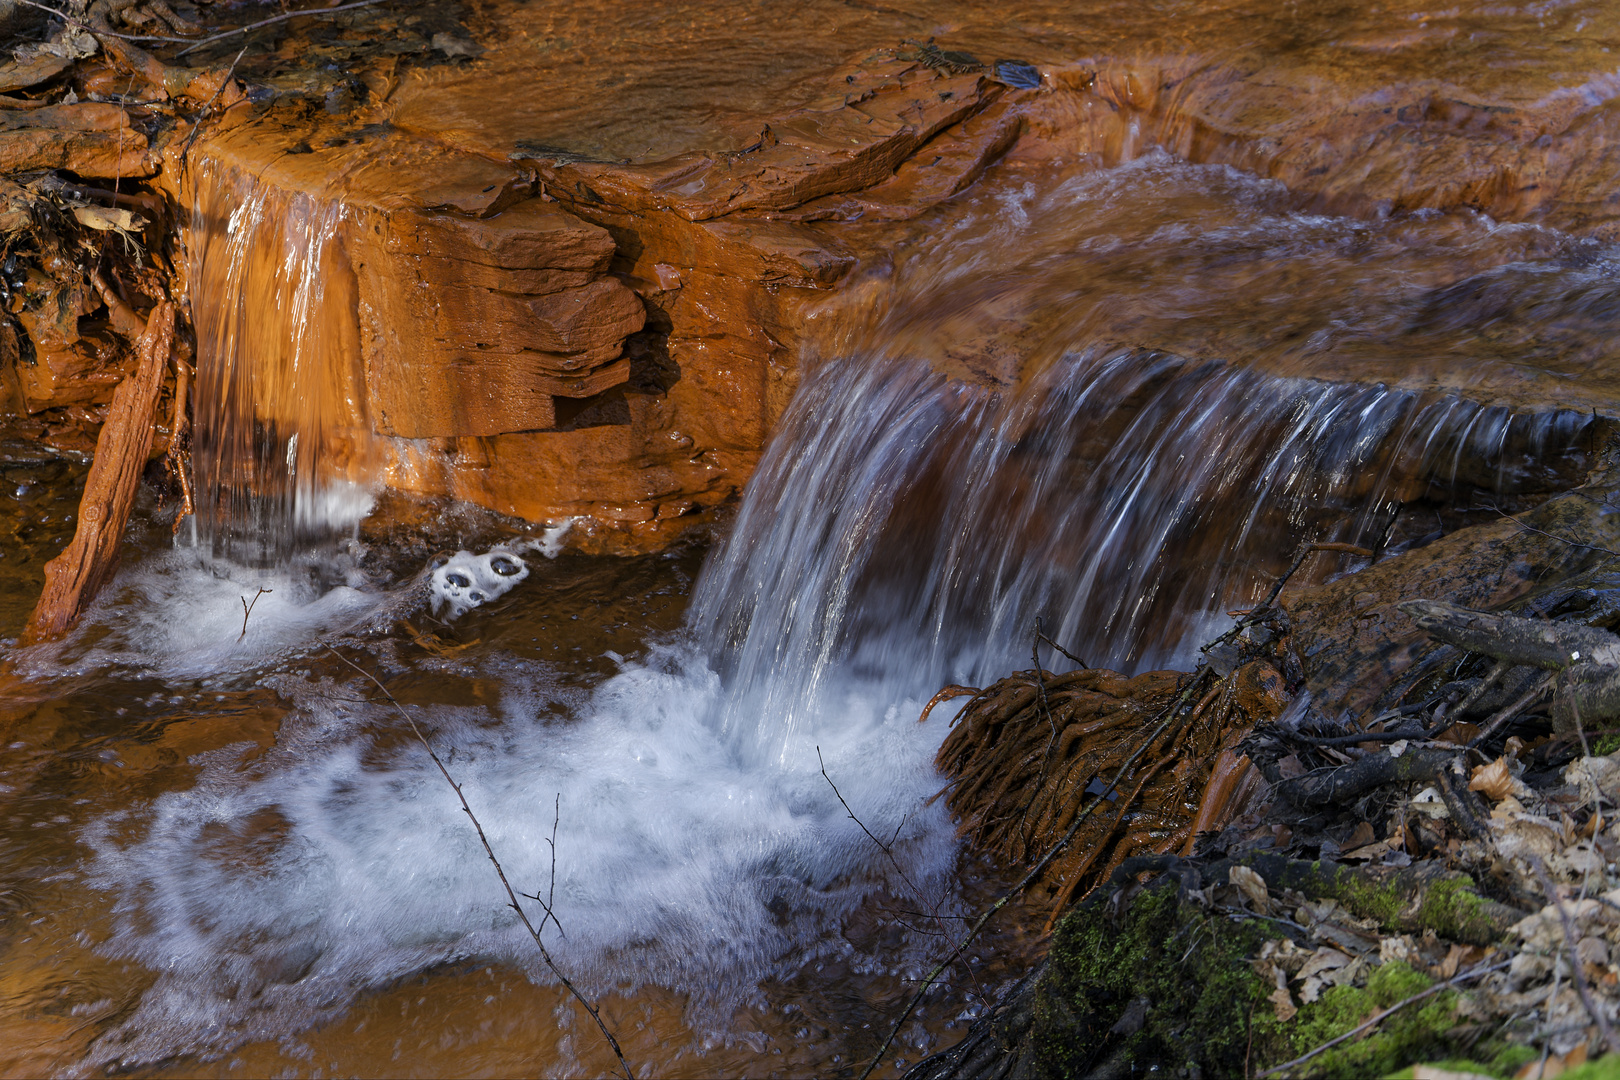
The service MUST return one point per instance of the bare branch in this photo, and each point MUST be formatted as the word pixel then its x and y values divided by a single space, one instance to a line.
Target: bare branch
pixel 247 609
pixel 283 17
pixel 1377 1018
pixel 511 893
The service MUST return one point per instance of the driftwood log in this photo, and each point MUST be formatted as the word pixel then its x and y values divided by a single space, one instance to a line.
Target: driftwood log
pixel 73 578
pixel 1586 659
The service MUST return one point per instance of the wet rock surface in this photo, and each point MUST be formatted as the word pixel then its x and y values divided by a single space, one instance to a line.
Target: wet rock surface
pixel 735 189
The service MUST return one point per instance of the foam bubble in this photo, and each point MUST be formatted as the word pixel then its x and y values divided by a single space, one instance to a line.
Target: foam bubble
pixel 465 581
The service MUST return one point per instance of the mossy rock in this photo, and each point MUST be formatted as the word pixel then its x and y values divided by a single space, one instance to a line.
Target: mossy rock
pixel 1169 987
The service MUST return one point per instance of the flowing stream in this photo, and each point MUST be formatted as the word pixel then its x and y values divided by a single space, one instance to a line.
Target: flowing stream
pixel 224 853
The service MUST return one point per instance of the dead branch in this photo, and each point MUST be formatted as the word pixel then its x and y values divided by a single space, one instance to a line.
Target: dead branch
pixel 511 894
pixel 73 578
pixel 1378 1017
pixel 283 17
pixel 1514 639
pixel 1331 787
pixel 196 127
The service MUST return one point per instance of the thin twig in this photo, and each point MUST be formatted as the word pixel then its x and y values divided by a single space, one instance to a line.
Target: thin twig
pixel 1576 976
pixel 1061 649
pixel 1555 536
pixel 196 127
pixel 266 22
pixel 1471 973
pixel 549 904
pixel 1040 681
pixel 1264 608
pixel 1033 873
pixel 888 850
pixel 511 894
pixel 247 609
pixel 1497 670
pixel 1497 722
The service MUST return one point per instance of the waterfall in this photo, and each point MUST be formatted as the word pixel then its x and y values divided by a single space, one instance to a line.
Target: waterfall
pixel 282 450
pixel 907 530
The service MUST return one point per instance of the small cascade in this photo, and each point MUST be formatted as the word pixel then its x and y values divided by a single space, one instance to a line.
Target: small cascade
pixel 907 529
pixel 283 454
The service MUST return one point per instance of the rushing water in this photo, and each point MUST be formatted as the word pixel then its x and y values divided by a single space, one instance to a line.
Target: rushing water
pixel 283 453
pixel 225 853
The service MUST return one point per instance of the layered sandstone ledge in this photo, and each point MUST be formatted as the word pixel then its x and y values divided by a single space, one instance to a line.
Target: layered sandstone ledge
pixel 587 245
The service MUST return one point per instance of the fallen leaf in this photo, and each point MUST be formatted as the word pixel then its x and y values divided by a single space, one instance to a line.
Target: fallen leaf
pixel 1460 956
pixel 109 219
pixel 1361 837
pixel 1460 734
pixel 1290 767
pixel 1428 801
pixel 1538 1070
pixel 1323 959
pixel 1364 854
pixel 1284 1002
pixel 1493 780
pixel 1253 887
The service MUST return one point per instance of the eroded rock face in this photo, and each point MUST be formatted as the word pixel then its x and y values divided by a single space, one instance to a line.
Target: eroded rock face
pixel 587 248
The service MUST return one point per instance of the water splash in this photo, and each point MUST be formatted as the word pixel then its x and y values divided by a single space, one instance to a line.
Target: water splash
pixel 283 453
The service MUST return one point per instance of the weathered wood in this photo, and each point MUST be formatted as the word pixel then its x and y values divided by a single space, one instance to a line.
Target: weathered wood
pixel 73 578
pixel 1537 642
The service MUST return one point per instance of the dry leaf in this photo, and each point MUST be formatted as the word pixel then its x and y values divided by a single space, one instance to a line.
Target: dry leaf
pixel 1401 948
pixel 1361 837
pixel 1291 767
pixel 1428 801
pixel 1459 734
pixel 1493 780
pixel 1460 957
pixel 1323 959
pixel 1286 1009
pixel 1253 887
pixel 1363 854
pixel 109 219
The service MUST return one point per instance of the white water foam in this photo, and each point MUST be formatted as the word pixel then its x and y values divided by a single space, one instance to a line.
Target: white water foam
pixel 267 896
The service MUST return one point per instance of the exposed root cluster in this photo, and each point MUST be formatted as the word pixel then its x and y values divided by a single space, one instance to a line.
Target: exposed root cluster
pixel 1029 752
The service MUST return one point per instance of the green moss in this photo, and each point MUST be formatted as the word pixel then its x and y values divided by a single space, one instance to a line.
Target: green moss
pixel 1201 1010
pixel 1604 1068
pixel 1418 1032
pixel 1191 968
pixel 1379 900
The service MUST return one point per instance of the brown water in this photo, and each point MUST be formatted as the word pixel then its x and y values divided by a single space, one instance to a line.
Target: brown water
pixel 109 728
